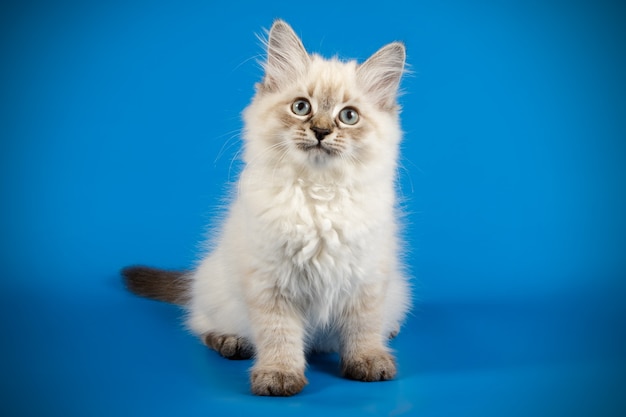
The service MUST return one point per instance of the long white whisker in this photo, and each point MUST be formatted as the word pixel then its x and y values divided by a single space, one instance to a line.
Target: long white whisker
pixel 232 162
pixel 401 167
pixel 228 143
pixel 256 57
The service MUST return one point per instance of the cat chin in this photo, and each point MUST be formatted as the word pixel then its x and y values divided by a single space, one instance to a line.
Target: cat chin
pixel 320 157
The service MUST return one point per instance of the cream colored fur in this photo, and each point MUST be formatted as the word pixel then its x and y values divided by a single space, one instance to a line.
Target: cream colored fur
pixel 308 257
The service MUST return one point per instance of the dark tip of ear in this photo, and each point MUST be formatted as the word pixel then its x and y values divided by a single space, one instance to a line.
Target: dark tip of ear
pixel 398 48
pixel 280 24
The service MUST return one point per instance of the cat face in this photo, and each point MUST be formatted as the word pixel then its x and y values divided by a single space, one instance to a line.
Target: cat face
pixel 323 117
pixel 319 113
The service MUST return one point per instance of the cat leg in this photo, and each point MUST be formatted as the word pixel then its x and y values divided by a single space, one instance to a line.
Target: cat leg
pixel 364 354
pixel 279 341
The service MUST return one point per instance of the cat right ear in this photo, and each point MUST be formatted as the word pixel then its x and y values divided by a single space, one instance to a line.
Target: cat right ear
pixel 380 74
pixel 287 59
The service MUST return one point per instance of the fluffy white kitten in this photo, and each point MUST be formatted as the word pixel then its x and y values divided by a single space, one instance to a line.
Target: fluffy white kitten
pixel 307 258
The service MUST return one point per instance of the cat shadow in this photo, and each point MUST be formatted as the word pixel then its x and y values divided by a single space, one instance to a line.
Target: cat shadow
pixel 234 374
pixel 326 363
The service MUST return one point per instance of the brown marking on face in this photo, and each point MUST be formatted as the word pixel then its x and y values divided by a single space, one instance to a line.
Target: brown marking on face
pixel 356 133
pixel 326 104
pixel 286 119
pixel 323 120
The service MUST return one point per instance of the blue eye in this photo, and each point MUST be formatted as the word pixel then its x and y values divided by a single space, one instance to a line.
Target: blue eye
pixel 301 107
pixel 349 116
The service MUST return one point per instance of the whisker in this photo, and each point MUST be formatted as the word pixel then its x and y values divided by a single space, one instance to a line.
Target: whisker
pixel 401 167
pixel 229 143
pixel 232 161
pixel 256 57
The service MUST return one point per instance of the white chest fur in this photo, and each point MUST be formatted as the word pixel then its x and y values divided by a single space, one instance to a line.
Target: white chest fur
pixel 318 242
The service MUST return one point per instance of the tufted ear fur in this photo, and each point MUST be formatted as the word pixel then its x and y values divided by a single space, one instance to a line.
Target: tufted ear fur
pixel 380 74
pixel 287 59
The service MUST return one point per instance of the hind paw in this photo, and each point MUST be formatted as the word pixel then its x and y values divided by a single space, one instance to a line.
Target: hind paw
pixel 229 346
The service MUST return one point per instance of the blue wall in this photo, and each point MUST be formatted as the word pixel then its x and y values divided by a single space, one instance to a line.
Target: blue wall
pixel 119 123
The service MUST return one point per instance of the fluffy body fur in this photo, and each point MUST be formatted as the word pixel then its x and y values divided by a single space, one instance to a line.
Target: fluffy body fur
pixel 307 258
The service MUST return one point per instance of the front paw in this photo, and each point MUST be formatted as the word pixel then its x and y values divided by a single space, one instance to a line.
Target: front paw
pixel 369 367
pixel 277 383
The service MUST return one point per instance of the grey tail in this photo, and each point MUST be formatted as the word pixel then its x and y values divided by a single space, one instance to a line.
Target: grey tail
pixel 159 284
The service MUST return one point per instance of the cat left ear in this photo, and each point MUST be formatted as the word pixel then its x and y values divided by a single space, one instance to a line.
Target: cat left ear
pixel 287 59
pixel 380 74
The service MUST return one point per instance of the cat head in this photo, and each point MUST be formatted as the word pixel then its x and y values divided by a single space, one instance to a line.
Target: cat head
pixel 318 113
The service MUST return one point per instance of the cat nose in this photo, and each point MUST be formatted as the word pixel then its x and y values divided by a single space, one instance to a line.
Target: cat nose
pixel 320 132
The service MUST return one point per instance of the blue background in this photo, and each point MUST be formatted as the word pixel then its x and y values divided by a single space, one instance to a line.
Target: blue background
pixel 119 125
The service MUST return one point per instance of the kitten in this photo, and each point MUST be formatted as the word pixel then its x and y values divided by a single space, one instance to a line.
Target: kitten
pixel 307 258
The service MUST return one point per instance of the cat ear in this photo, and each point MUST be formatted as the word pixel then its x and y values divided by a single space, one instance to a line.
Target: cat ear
pixel 287 59
pixel 380 74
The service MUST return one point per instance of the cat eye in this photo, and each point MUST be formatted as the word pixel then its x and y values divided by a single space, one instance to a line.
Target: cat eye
pixel 301 107
pixel 349 116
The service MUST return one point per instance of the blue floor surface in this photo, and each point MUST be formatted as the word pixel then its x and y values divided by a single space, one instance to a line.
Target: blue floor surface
pixel 111 354
pixel 119 134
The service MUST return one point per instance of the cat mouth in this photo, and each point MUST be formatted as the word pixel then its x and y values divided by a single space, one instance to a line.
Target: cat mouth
pixel 319 148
